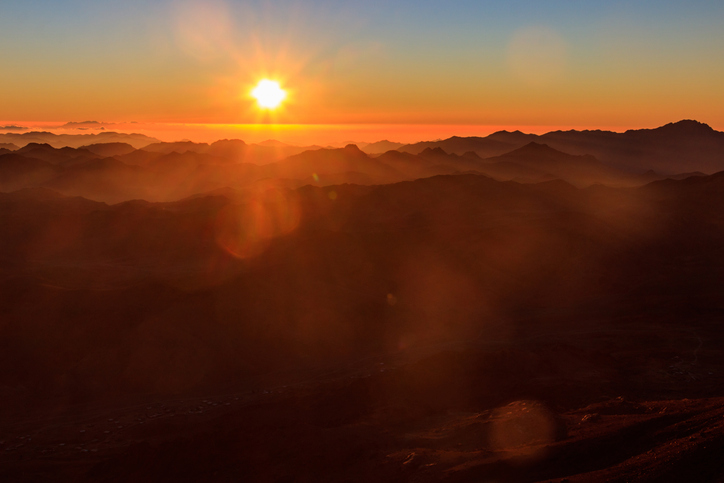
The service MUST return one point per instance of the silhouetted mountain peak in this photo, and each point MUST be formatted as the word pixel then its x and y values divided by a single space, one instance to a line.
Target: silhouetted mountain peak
pixel 472 155
pixel 685 127
pixel 534 148
pixel 230 149
pixel 31 146
pixel 230 142
pixel 35 133
pixel 438 151
pixel 512 137
pixel 458 138
pixel 108 149
pixel 353 149
pixel 381 146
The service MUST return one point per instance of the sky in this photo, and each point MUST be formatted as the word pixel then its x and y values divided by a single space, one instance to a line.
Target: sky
pixel 351 63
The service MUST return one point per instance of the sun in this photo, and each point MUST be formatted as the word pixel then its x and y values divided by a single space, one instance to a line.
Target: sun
pixel 268 94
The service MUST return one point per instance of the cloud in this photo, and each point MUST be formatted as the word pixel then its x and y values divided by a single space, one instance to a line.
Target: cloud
pixel 13 127
pixel 85 125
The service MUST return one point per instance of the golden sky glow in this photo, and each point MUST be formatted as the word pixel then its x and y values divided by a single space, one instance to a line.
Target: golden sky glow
pixel 479 63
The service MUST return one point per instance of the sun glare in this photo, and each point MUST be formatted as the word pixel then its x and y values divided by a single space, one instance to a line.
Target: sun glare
pixel 268 94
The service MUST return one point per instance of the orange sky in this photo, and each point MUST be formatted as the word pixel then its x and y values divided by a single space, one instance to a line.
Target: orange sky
pixel 178 64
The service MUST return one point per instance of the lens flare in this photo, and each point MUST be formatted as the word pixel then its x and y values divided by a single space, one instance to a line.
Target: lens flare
pixel 245 230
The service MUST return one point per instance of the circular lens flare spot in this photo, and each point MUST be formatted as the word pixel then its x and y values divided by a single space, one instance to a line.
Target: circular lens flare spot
pixel 245 230
pixel 268 94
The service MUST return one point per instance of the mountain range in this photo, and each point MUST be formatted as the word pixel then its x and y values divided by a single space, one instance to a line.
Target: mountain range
pixel 116 171
pixel 684 146
pixel 75 140
pixel 509 308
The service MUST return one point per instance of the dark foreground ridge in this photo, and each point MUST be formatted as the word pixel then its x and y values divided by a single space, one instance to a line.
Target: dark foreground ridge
pixel 452 328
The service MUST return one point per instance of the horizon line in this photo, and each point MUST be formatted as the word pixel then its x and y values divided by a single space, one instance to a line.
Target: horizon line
pixel 305 133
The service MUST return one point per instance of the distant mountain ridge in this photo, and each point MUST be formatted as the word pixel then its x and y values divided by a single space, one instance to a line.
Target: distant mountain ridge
pixel 235 150
pixel 683 146
pixel 109 149
pixel 115 172
pixel 677 147
pixel 76 140
pixel 484 147
pixel 380 147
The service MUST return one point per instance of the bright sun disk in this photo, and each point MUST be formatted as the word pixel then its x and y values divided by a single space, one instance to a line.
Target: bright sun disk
pixel 268 94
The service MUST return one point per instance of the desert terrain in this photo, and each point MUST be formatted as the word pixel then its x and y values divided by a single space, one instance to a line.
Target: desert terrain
pixel 510 308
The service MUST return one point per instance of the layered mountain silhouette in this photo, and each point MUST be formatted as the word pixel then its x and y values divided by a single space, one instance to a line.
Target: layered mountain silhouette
pixel 349 161
pixel 379 147
pixel 60 156
pixel 542 161
pixel 109 149
pixel 484 147
pixel 116 171
pixel 674 148
pixel 453 250
pixel 684 146
pixel 229 311
pixel 17 172
pixel 75 140
pixel 531 163
pixel 234 150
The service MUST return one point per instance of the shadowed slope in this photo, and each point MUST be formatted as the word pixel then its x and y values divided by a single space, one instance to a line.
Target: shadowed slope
pixel 76 140
pixel 325 162
pixel 679 147
pixel 453 251
pixel 452 328
pixel 109 149
pixel 484 147
pixel 17 171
